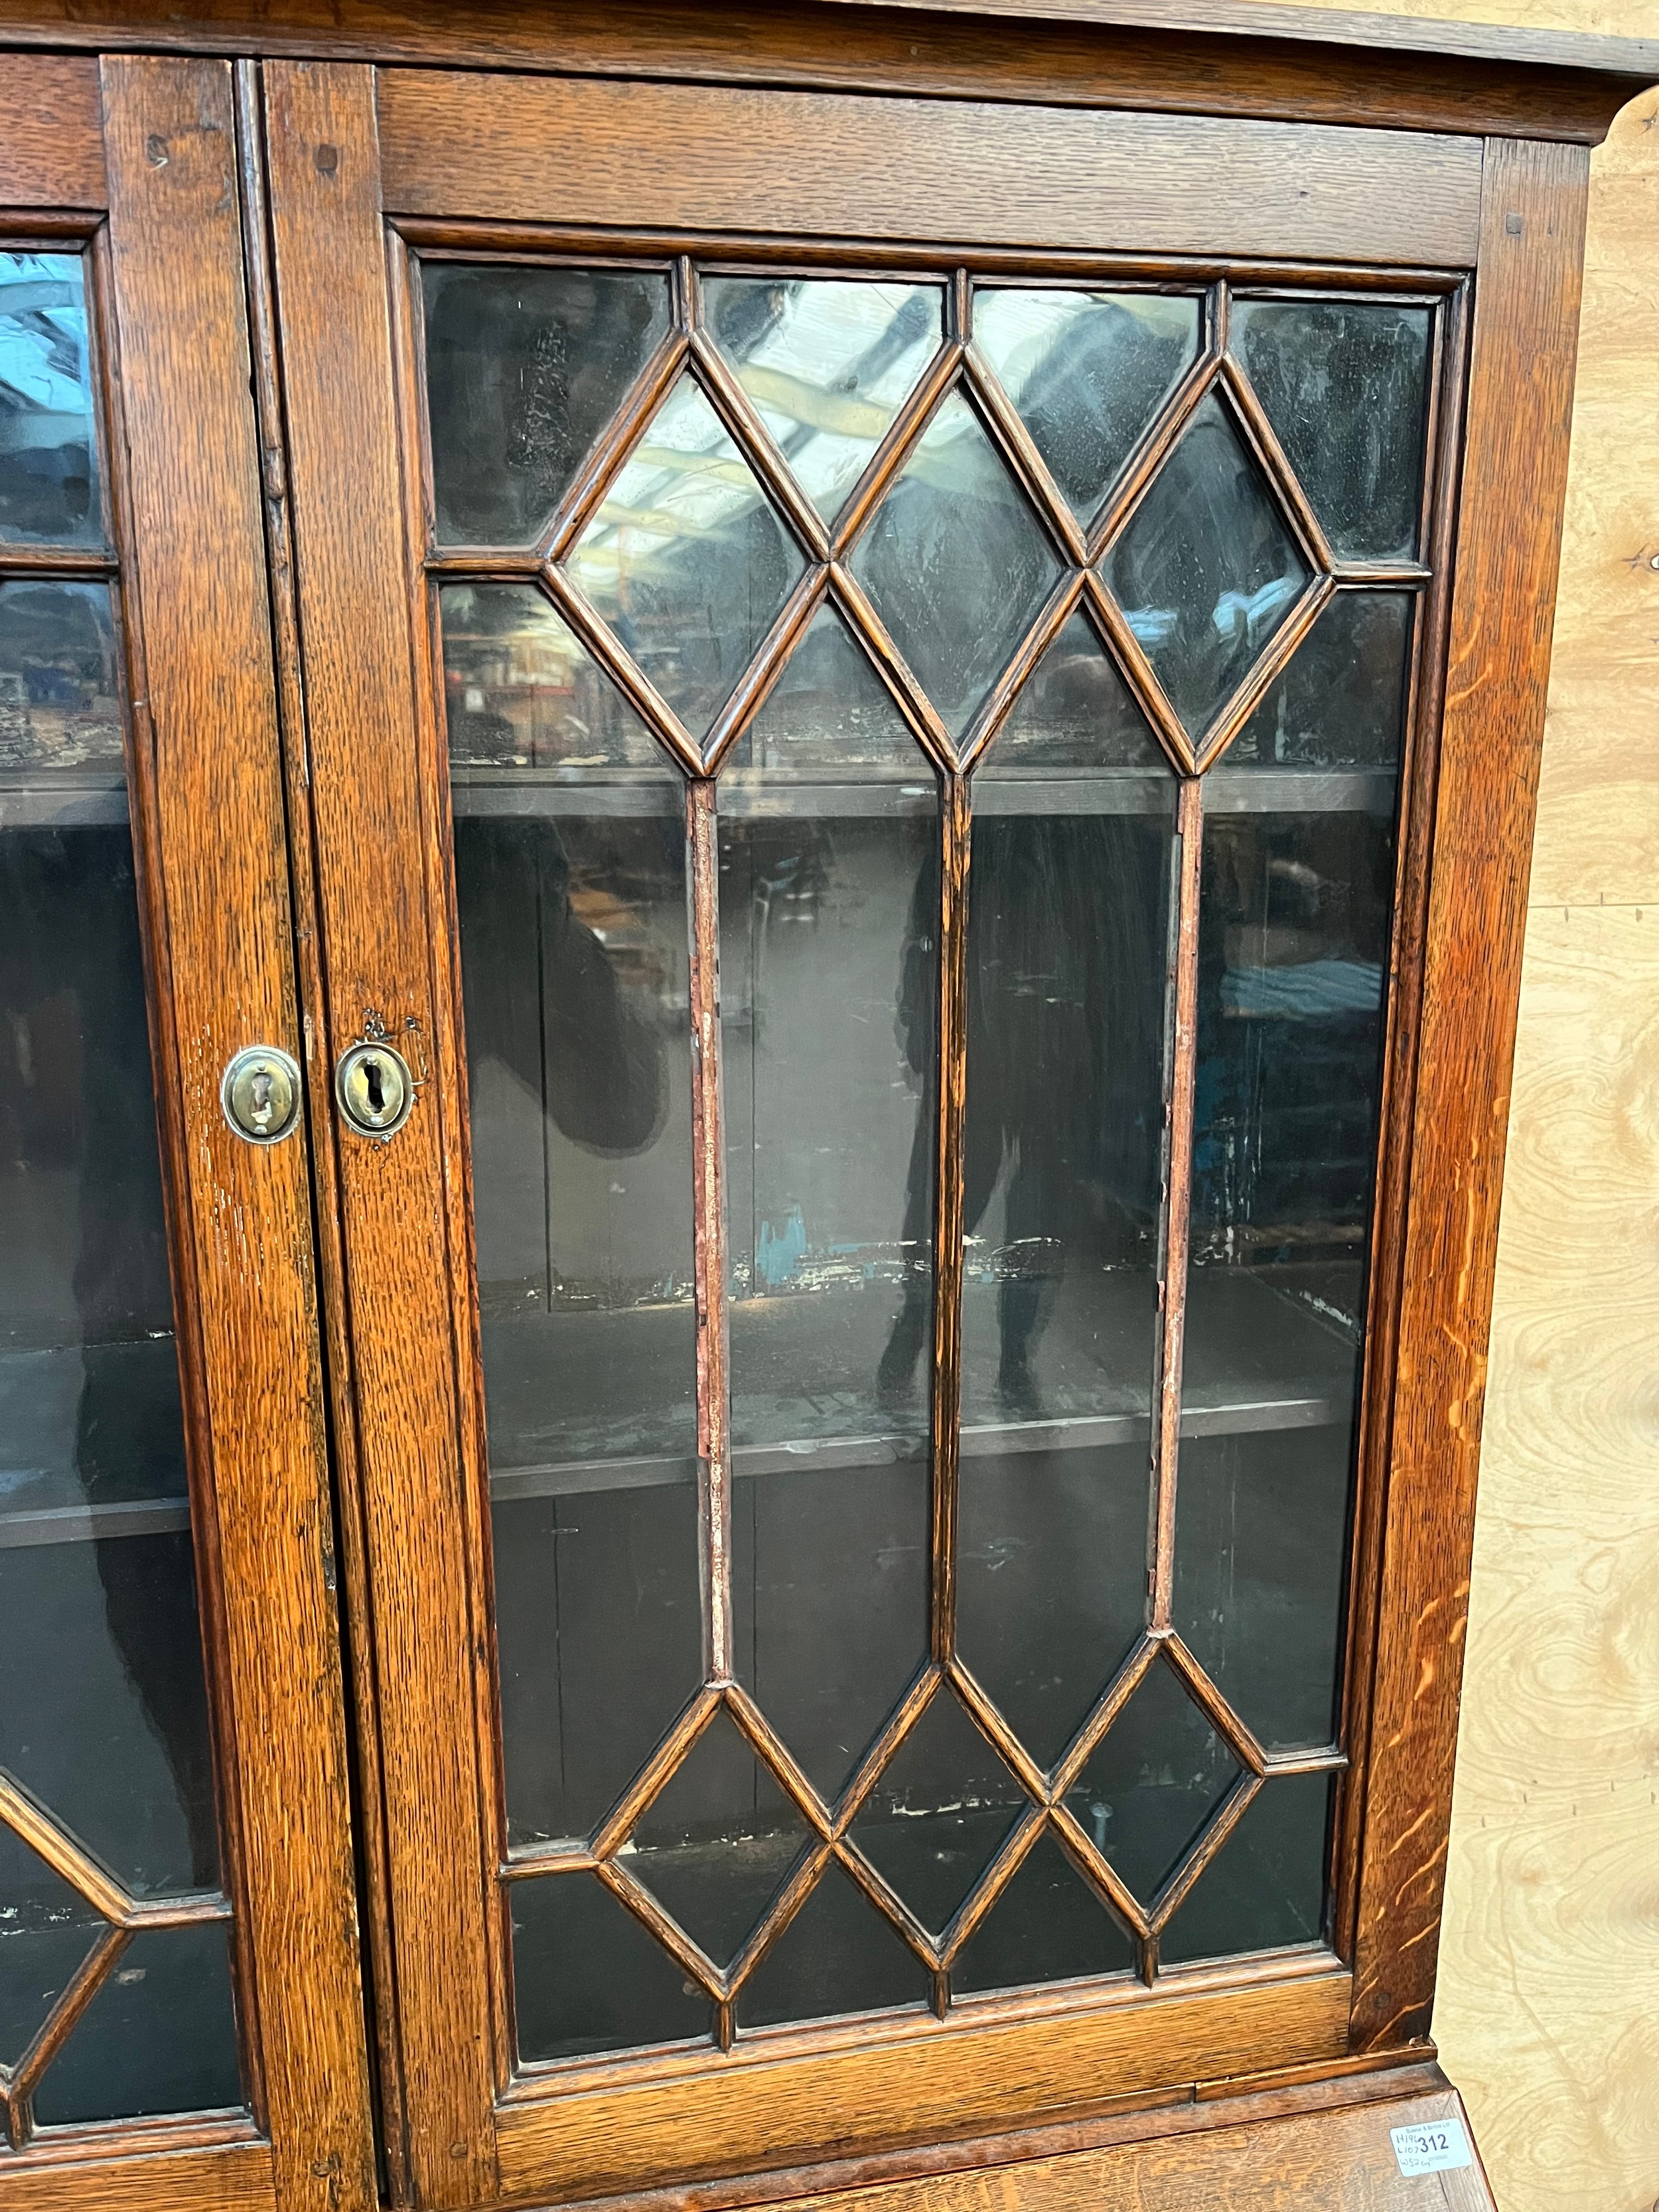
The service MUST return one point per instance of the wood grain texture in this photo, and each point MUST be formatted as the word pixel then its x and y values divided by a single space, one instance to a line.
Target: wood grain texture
pixel 210 780
pixel 379 944
pixel 225 2178
pixel 1515 466
pixel 1260 62
pixel 575 151
pixel 1341 2161
pixel 51 153
pixel 907 2082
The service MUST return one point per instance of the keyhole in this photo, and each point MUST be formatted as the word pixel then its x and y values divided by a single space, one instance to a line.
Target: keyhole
pixel 372 1084
pixel 262 1097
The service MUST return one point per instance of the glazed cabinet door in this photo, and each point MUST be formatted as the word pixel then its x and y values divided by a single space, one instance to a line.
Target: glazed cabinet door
pixel 872 682
pixel 180 2012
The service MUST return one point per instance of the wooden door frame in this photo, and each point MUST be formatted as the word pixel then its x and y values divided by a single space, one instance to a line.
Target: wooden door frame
pixel 138 159
pixel 353 163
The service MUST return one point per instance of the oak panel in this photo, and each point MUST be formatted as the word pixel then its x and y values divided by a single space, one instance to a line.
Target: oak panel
pixel 227 2178
pixel 1515 466
pixel 909 2082
pixel 52 152
pixel 1340 2160
pixel 592 151
pixel 210 804
pixel 1230 60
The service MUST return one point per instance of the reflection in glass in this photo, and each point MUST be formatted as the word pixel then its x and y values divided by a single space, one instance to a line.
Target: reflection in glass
pixel 1293 953
pixel 828 364
pixel 1068 934
pixel 159 2035
pixel 1149 1791
pixel 525 368
pixel 1206 569
pixel 48 468
pixel 717 1842
pixel 570 878
pixel 1088 371
pixel 686 559
pixel 829 955
pixel 943 1808
pixel 1049 1925
pixel 1344 383
pixel 1266 1887
pixel 955 562
pixel 1341 702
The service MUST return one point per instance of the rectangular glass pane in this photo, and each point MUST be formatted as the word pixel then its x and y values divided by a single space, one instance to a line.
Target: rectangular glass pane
pixel 570 881
pixel 105 1721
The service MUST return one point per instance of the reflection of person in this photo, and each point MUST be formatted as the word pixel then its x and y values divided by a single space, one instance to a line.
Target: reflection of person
pixel 1064 991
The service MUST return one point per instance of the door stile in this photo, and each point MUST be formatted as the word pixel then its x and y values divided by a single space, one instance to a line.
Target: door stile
pixel 382 932
pixel 210 815
pixel 369 1799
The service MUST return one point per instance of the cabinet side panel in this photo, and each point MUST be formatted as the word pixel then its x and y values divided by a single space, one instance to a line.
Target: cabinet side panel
pixel 1514 477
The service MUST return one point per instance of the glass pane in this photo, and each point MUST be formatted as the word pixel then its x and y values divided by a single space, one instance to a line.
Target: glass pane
pixel 955 562
pixel 525 368
pixel 1266 1887
pixel 1150 1791
pixel 828 364
pixel 686 559
pixel 1088 371
pixel 943 1808
pixel 570 879
pixel 1047 1926
pixel 1344 383
pixel 588 1977
pixel 46 1929
pixel 837 1956
pixel 717 1843
pixel 1293 953
pixel 48 465
pixel 1341 702
pixel 829 846
pixel 1068 936
pixel 97 1584
pixel 159 2035
pixel 1207 568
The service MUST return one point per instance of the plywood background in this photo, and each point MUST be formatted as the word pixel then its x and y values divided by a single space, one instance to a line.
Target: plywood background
pixel 1548 2016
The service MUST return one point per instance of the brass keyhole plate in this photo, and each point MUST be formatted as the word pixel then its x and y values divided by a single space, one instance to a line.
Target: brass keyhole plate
pixel 375 1089
pixel 260 1091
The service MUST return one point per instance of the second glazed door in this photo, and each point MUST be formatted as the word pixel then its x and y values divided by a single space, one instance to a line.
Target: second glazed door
pixel 858 799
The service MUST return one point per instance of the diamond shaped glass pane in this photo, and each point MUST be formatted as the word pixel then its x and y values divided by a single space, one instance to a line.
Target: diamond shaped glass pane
pixel 1047 1926
pixel 523 692
pixel 686 558
pixel 837 1956
pixel 717 1842
pixel 524 368
pixel 159 2035
pixel 1152 1786
pixel 1206 569
pixel 828 363
pixel 1344 383
pixel 1341 702
pixel 828 719
pixel 588 1976
pixel 939 1813
pixel 46 1928
pixel 1088 371
pixel 1076 712
pixel 955 562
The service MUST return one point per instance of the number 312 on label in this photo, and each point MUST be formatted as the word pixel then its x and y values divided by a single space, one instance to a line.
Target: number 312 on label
pixel 1432 2147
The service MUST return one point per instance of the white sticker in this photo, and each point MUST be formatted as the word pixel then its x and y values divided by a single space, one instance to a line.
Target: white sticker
pixel 1431 2147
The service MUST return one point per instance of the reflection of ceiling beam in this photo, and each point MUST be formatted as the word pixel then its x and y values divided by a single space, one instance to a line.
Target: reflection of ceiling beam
pixel 31 293
pixel 716 467
pixel 838 412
